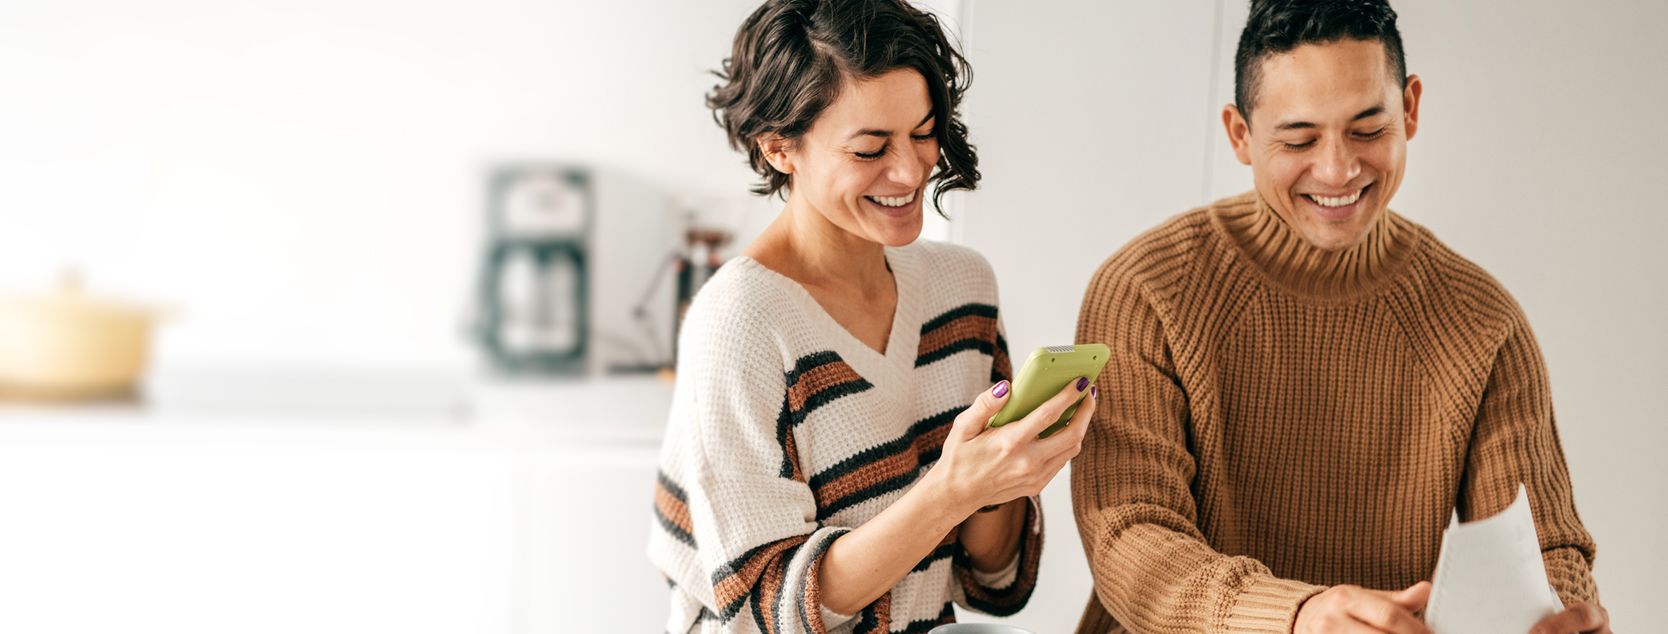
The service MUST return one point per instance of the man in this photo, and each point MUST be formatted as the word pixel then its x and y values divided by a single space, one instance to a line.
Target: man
pixel 1304 385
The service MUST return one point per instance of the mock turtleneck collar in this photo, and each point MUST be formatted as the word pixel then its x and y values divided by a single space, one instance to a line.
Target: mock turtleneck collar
pixel 1294 264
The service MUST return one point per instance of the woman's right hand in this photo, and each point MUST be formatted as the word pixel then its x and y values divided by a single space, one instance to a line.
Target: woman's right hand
pixel 981 466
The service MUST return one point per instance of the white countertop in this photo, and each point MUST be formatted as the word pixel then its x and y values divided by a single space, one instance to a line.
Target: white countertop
pixel 333 502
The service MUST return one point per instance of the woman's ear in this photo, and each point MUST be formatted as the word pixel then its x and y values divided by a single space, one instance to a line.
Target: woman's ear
pixel 775 151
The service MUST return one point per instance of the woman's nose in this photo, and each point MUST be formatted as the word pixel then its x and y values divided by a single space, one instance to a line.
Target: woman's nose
pixel 907 168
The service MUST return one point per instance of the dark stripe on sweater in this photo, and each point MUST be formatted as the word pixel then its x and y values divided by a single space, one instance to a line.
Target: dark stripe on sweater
pixel 733 582
pixel 671 509
pixel 815 380
pixel 964 310
pixel 941 553
pixel 966 327
pixel 881 469
pixel 1001 365
pixel 877 617
pixel 945 617
pixel 1004 601
pixel 810 593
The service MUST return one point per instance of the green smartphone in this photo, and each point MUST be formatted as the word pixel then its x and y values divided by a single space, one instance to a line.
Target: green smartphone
pixel 1047 371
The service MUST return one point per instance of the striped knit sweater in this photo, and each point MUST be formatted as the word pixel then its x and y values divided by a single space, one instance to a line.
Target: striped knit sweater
pixel 786 432
pixel 1277 419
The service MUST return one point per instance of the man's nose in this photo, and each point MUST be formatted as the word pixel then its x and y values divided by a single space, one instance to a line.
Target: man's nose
pixel 1336 164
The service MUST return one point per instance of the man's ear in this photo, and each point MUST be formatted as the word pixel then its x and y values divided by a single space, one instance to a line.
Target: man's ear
pixel 1239 133
pixel 775 150
pixel 1410 104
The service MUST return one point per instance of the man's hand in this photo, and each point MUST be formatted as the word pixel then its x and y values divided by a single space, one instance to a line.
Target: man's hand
pixel 1580 618
pixel 1356 609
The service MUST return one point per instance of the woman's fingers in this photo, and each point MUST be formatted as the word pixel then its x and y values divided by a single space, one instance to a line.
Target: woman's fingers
pixel 1068 440
pixel 973 420
pixel 1041 418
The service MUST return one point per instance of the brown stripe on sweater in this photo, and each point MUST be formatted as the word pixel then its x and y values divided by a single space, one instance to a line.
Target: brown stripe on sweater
pixel 1001 365
pixel 817 379
pixel 1005 601
pixel 810 594
pixel 767 596
pixel 790 449
pixel 738 578
pixel 877 617
pixel 673 511
pixel 972 327
pixel 897 465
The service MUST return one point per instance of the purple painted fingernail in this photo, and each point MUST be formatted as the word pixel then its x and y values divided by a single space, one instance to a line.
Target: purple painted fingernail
pixel 1094 391
pixel 1000 390
pixel 1082 383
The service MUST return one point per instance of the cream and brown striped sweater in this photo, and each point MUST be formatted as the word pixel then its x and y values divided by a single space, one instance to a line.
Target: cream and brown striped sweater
pixel 786 432
pixel 1277 419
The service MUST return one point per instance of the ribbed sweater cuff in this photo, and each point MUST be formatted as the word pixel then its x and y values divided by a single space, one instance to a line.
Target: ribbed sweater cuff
pixel 1268 604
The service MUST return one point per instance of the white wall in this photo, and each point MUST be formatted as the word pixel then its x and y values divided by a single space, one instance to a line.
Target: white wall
pixel 1537 157
pixel 1089 120
pixel 305 180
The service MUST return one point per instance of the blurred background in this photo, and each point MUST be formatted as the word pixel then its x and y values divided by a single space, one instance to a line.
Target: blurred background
pixel 415 269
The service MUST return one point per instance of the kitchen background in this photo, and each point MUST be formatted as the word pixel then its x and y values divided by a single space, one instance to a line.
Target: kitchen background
pixel 316 193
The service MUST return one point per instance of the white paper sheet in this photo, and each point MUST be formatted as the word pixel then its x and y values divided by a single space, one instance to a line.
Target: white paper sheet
pixel 1490 577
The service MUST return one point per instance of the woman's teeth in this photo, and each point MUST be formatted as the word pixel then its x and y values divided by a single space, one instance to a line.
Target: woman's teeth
pixel 1335 201
pixel 892 201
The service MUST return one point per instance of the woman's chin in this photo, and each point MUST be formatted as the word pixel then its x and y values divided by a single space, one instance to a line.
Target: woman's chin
pixel 897 234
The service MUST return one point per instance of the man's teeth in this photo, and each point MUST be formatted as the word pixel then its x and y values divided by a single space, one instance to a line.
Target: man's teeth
pixel 892 201
pixel 1337 201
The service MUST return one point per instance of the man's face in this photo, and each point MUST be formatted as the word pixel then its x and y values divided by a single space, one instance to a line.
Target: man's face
pixel 1327 139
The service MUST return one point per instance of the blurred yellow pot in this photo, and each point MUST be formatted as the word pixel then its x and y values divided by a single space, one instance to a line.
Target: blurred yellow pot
pixel 67 346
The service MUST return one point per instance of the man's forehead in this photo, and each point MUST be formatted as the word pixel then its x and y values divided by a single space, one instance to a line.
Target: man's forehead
pixel 1318 83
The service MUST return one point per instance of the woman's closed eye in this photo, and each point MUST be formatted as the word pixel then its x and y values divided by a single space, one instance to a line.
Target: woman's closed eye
pixel 870 156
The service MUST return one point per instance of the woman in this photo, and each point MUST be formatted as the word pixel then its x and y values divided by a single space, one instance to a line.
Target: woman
pixel 827 463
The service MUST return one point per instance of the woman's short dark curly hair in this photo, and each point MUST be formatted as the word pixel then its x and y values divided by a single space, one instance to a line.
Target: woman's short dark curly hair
pixel 791 56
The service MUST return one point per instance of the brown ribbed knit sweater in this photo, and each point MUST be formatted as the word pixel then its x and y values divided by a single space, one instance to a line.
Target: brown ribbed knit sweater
pixel 1276 419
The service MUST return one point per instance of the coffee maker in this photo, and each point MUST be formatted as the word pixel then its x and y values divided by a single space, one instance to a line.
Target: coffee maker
pixel 533 296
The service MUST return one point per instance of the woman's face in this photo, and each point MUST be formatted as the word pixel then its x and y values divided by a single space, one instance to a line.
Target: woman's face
pixel 864 163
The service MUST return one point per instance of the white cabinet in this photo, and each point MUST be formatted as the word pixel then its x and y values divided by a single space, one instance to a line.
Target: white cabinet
pixel 135 519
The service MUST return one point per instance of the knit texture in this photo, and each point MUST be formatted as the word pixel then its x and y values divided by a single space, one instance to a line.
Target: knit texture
pixel 1277 419
pixel 786 432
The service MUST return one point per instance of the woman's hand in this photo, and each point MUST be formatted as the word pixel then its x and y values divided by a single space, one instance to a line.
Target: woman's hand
pixel 982 466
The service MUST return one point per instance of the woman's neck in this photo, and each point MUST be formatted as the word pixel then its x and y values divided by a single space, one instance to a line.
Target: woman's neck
pixel 803 245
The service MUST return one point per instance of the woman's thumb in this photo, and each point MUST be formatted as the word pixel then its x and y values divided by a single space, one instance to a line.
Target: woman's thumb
pixel 972 422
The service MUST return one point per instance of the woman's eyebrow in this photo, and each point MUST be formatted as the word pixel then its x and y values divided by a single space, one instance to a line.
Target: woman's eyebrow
pixel 884 133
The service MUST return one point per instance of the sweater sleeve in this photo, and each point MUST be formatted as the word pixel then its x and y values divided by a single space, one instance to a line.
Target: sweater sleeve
pixel 1131 488
pixel 1514 440
pixel 738 523
pixel 1006 591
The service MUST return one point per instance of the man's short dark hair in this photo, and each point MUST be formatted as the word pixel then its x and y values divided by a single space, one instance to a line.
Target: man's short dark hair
pixel 1278 26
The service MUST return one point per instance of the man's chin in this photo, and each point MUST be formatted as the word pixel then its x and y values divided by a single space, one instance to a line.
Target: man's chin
pixel 1333 239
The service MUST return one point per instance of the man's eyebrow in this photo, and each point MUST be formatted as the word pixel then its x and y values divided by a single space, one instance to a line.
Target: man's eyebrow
pixel 1309 125
pixel 884 133
pixel 1373 111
